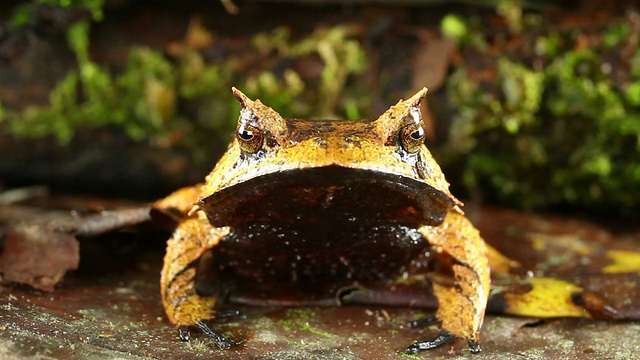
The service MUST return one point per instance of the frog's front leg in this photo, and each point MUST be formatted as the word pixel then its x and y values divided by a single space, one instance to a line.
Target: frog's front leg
pixel 183 305
pixel 179 204
pixel 462 303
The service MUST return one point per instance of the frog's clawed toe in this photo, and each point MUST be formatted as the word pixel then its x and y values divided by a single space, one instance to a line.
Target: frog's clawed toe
pixel 221 341
pixel 230 313
pixel 474 347
pixel 184 334
pixel 205 327
pixel 442 338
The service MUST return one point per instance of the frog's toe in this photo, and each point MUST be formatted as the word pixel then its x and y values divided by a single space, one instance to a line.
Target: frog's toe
pixel 442 338
pixel 474 347
pixel 184 334
pixel 206 327
pixel 230 314
pixel 221 341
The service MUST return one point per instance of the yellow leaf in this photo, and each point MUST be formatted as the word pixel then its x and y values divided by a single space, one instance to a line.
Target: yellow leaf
pixel 548 297
pixel 624 261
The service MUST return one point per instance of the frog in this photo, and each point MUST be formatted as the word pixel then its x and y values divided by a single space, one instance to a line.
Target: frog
pixel 315 201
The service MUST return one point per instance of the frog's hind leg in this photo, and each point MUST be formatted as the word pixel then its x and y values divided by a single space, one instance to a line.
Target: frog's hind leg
pixel 462 303
pixel 183 305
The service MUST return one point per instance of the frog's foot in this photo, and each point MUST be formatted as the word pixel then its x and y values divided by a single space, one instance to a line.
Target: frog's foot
pixel 442 338
pixel 206 327
pixel 186 321
pixel 196 311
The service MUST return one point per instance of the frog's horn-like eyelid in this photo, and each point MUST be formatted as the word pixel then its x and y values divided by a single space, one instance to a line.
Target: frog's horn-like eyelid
pixel 261 116
pixel 388 124
pixel 242 98
pixel 416 99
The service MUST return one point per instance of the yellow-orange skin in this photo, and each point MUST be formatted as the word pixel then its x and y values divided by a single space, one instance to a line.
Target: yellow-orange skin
pixel 462 303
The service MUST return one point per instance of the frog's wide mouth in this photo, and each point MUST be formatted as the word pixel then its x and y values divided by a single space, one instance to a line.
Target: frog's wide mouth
pixel 370 197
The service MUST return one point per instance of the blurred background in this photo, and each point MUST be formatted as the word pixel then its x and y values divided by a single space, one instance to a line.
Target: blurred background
pixel 532 104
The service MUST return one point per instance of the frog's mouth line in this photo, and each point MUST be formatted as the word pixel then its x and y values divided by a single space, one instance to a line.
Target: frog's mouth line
pixel 332 191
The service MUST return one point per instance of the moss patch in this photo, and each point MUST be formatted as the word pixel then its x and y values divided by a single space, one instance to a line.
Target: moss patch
pixel 560 126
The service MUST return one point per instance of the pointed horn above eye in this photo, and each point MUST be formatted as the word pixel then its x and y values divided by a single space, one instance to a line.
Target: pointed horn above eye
pixel 242 98
pixel 388 123
pixel 416 99
pixel 259 115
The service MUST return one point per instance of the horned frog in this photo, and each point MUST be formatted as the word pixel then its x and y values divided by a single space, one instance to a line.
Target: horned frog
pixel 339 201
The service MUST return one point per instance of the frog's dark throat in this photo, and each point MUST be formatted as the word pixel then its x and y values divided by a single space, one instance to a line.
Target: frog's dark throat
pixel 323 223
pixel 328 192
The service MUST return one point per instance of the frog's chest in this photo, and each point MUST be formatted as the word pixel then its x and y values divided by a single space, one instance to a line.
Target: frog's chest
pixel 332 250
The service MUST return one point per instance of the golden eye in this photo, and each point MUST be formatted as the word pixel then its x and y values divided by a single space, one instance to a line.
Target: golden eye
pixel 412 137
pixel 250 138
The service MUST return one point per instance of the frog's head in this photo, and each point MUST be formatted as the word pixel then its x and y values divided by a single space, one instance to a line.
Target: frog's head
pixel 276 167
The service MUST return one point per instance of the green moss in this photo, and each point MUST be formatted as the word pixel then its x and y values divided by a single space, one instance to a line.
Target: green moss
pixel 410 356
pixel 299 319
pixel 511 11
pixel 186 100
pixel 567 133
pixel 141 100
pixel 23 13
pixel 198 345
pixel 94 6
pixel 454 27
pixel 341 56
pixel 87 315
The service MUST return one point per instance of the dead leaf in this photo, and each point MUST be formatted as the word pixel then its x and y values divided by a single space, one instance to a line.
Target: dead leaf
pixel 40 245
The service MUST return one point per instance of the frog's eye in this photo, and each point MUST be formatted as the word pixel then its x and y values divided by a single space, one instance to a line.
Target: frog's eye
pixel 412 137
pixel 250 138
